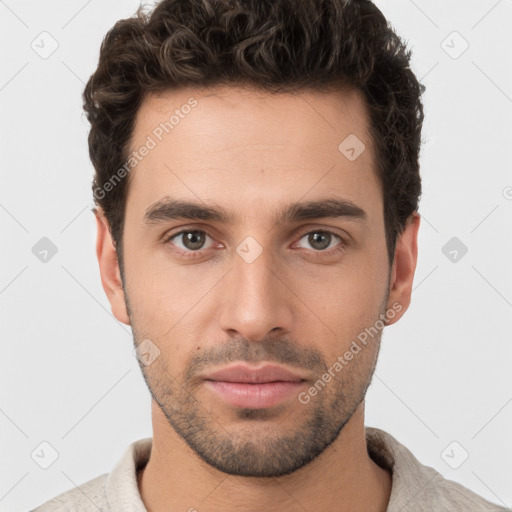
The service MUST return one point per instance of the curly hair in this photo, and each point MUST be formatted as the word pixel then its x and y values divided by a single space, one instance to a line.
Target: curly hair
pixel 275 45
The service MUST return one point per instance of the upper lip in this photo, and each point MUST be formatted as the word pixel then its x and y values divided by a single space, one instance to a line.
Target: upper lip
pixel 244 373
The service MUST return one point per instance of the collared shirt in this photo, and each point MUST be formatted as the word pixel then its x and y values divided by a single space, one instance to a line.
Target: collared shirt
pixel 415 487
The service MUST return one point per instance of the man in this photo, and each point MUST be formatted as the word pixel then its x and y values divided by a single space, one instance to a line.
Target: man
pixel 257 186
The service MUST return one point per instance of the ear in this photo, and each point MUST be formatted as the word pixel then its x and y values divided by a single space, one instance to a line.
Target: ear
pixel 109 269
pixel 404 266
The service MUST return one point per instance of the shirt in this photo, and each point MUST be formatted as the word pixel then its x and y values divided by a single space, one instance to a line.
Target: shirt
pixel 415 487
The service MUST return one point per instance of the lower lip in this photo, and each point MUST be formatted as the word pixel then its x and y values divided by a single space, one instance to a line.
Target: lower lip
pixel 254 396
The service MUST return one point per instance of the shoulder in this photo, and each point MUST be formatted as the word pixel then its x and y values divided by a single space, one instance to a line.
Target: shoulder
pixel 448 495
pixel 90 496
pixel 115 490
pixel 417 487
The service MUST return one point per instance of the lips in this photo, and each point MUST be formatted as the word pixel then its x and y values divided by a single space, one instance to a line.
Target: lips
pixel 254 388
pixel 246 374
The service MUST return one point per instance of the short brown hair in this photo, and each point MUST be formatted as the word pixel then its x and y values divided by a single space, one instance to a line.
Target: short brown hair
pixel 275 45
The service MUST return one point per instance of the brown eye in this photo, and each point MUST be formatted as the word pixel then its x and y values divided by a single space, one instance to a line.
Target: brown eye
pixel 188 241
pixel 193 240
pixel 320 240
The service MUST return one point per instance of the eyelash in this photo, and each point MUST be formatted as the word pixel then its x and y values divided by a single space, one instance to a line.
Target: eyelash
pixel 196 254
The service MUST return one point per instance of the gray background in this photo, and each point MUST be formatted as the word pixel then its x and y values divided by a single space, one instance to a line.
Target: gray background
pixel 68 374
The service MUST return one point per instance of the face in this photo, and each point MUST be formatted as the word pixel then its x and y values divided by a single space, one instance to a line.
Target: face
pixel 281 259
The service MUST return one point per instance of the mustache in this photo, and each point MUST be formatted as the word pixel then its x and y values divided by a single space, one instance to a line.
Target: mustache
pixel 273 350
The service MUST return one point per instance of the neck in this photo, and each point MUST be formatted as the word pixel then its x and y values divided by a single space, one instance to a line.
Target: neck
pixel 342 478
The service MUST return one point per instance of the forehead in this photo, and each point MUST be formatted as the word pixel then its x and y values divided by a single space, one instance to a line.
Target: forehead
pixel 223 115
pixel 246 148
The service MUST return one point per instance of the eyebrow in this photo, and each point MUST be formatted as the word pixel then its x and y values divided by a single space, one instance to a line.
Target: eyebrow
pixel 168 209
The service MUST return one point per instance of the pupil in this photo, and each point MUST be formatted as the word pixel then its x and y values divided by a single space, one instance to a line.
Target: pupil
pixel 194 240
pixel 313 238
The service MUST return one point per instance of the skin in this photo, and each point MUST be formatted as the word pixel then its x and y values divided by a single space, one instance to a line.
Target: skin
pixel 253 153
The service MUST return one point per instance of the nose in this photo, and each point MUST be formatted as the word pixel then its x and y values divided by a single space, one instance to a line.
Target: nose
pixel 256 298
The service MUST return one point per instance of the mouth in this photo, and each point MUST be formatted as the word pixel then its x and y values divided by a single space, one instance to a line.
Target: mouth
pixel 254 388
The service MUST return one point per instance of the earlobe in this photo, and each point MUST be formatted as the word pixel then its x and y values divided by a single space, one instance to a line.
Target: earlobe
pixel 109 269
pixel 404 266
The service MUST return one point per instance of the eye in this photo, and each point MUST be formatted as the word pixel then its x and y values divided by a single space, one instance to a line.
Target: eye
pixel 321 240
pixel 191 240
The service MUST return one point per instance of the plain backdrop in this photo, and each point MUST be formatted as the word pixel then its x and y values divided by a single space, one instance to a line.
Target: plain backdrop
pixel 443 385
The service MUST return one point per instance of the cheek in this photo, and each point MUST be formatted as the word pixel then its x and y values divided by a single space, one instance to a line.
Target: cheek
pixel 349 302
pixel 350 294
pixel 168 302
